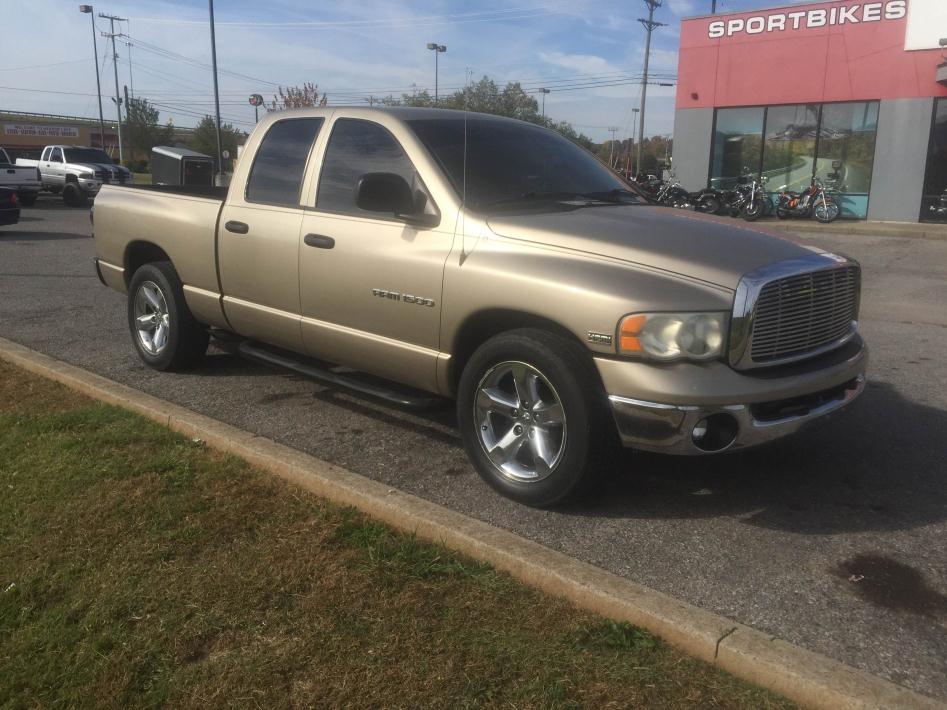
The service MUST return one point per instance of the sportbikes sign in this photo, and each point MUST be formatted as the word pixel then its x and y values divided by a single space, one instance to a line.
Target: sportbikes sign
pixel 782 20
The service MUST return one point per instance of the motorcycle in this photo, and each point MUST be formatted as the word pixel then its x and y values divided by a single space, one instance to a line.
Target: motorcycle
pixel 748 199
pixel 814 201
pixel 673 194
pixel 938 209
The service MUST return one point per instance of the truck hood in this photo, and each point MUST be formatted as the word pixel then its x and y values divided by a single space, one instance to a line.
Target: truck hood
pixel 717 250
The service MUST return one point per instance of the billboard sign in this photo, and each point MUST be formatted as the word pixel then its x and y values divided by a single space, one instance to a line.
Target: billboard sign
pixel 32 129
pixel 785 20
pixel 927 24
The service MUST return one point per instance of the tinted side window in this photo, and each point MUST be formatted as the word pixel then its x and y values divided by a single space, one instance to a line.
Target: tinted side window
pixel 55 156
pixel 277 173
pixel 357 147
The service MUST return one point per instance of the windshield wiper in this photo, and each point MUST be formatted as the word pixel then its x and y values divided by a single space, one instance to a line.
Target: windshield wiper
pixel 614 195
pixel 588 198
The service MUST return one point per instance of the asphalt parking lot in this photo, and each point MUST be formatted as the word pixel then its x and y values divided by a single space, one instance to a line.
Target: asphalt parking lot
pixel 834 540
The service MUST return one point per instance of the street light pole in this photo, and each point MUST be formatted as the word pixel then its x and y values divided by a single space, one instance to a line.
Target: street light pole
pixel 437 49
pixel 544 91
pixel 634 127
pixel 213 57
pixel 118 96
pixel 650 25
pixel 98 84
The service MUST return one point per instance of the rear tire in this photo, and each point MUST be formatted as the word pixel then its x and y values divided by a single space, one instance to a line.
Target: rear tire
pixel 165 334
pixel 708 204
pixel 532 415
pixel 73 195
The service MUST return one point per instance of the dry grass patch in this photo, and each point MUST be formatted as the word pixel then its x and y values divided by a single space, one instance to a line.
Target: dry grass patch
pixel 138 568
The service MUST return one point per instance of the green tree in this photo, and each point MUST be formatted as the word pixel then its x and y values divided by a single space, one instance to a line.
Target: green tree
pixel 484 96
pixel 204 138
pixel 142 130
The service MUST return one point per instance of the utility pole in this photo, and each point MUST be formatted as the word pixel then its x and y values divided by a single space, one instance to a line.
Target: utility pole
pixel 118 97
pixel 87 9
pixel 544 91
pixel 634 126
pixel 713 7
pixel 650 25
pixel 213 56
pixel 611 156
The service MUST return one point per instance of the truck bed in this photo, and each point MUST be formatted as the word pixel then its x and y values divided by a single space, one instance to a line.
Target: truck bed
pixel 214 193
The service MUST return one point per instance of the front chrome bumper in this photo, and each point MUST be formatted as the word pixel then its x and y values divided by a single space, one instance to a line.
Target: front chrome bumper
pixel 670 428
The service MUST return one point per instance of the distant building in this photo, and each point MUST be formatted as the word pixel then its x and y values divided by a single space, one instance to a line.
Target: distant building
pixel 854 89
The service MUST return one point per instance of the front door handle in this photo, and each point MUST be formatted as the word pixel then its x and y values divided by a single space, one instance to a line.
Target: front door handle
pixel 236 227
pixel 319 241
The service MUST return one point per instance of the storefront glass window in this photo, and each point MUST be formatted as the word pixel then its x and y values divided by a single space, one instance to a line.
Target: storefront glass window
pixel 934 204
pixel 789 150
pixel 738 140
pixel 847 152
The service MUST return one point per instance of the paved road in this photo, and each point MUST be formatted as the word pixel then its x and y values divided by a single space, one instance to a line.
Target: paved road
pixel 775 538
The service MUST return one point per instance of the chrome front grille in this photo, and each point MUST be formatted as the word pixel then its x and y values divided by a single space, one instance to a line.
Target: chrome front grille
pixel 794 310
pixel 804 313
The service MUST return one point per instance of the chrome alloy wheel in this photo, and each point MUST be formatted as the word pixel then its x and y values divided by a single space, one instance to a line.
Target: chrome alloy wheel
pixel 520 421
pixel 151 318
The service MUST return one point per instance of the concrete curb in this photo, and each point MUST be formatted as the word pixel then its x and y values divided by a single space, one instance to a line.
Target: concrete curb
pixel 796 673
pixel 902 230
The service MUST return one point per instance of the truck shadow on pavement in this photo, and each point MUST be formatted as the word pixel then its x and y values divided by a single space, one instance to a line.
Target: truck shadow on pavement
pixel 880 465
pixel 8 235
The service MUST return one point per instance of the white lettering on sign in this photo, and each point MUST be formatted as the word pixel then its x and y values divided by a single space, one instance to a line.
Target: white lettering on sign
pixel 853 14
pixel 30 129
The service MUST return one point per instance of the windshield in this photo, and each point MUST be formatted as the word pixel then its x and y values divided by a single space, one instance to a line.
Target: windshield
pixel 515 165
pixel 87 155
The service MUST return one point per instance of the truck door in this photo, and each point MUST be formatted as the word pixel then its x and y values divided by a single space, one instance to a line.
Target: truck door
pixel 370 285
pixel 54 169
pixel 258 237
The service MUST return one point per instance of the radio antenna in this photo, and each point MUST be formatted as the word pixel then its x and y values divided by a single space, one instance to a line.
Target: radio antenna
pixel 463 189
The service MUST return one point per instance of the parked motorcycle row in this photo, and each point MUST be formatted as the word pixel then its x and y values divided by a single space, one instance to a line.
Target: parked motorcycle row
pixel 748 199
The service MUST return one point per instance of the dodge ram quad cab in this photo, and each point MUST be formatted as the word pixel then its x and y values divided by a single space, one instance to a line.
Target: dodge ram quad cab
pixel 24 180
pixel 78 172
pixel 496 263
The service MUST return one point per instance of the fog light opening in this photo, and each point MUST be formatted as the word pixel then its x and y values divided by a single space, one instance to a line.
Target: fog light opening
pixel 714 433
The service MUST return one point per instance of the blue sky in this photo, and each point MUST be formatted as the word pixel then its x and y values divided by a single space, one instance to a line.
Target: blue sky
pixel 350 49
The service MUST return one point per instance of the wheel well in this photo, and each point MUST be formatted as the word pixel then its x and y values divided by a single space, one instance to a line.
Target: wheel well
pixel 482 326
pixel 137 254
pixel 72 178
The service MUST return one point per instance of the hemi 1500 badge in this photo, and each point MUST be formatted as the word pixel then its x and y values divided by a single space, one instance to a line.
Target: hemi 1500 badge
pixel 404 297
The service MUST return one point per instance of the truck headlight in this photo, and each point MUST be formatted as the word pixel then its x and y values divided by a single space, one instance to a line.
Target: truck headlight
pixel 673 336
pixel 87 176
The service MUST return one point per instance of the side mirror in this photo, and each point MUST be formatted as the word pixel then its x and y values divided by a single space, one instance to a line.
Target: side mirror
pixel 384 192
pixel 391 194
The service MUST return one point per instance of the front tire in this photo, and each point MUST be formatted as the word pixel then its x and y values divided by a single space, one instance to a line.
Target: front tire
pixel 165 334
pixel 73 195
pixel 754 210
pixel 532 416
pixel 827 212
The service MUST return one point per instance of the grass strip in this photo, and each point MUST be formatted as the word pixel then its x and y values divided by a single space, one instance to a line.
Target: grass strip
pixel 139 568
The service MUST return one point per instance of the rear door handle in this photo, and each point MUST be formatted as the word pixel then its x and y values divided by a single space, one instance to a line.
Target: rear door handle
pixel 236 227
pixel 319 241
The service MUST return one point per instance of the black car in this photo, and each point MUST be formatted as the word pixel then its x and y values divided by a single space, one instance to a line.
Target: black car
pixel 9 206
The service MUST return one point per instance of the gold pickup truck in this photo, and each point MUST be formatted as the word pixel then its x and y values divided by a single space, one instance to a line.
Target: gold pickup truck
pixel 493 262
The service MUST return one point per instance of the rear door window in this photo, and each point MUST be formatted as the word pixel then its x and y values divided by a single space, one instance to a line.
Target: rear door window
pixel 357 147
pixel 280 163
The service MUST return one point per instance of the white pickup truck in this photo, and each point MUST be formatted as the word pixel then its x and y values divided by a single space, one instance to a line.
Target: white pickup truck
pixel 76 171
pixel 24 179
